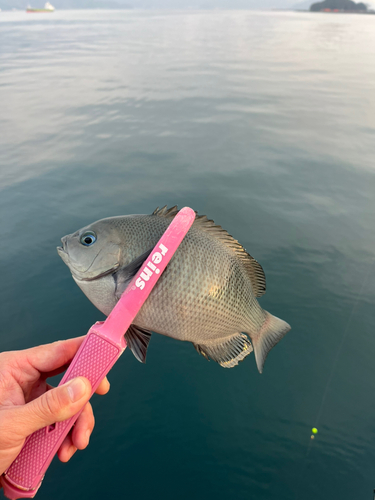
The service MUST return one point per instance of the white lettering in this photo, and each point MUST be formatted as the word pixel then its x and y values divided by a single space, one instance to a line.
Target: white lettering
pixel 163 249
pixel 146 274
pixel 151 266
pixel 157 258
pixel 140 284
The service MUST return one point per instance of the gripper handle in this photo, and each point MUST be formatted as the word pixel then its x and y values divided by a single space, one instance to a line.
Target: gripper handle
pixel 93 360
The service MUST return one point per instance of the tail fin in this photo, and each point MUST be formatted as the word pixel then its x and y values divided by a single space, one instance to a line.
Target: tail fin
pixel 271 332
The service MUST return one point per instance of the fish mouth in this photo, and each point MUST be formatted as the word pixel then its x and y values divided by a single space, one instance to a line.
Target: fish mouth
pixel 64 255
pixel 62 251
pixel 78 275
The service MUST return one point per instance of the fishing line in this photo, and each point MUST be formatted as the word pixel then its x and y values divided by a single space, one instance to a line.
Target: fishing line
pixel 330 377
pixel 338 353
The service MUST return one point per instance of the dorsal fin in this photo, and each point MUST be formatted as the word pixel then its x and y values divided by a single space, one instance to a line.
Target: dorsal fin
pixel 166 212
pixel 252 267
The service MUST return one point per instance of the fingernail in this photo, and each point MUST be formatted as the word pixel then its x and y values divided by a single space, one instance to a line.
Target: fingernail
pixel 88 433
pixel 76 389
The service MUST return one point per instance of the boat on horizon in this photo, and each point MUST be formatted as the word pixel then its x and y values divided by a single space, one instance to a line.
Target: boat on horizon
pixel 47 8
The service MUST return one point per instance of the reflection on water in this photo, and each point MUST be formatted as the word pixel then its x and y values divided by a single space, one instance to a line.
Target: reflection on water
pixel 139 81
pixel 264 121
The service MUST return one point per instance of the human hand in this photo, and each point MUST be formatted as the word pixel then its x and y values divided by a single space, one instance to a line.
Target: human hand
pixel 28 403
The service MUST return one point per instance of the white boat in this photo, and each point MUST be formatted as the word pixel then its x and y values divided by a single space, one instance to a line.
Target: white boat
pixel 47 8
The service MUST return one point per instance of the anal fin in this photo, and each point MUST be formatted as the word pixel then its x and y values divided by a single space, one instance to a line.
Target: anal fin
pixel 227 352
pixel 137 340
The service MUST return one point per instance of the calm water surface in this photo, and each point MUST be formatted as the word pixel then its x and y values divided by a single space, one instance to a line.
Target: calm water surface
pixel 266 123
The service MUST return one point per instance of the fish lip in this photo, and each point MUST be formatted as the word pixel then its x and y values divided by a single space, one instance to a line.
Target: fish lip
pixel 63 242
pixel 62 248
pixel 63 254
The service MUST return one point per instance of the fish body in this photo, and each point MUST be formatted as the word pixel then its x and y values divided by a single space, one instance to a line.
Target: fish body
pixel 207 295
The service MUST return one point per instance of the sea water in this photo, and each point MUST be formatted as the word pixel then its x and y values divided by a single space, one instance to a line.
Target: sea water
pixel 264 121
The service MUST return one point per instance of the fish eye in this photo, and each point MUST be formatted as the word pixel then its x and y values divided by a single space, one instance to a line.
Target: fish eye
pixel 88 238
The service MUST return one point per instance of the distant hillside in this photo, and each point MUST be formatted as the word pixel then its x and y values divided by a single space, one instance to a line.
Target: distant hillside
pixel 340 5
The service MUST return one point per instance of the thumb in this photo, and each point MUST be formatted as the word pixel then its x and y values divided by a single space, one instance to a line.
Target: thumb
pixel 53 406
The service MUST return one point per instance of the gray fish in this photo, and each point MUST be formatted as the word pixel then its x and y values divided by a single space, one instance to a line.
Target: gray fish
pixel 206 295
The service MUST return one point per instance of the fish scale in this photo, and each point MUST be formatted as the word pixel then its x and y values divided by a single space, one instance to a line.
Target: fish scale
pixel 207 295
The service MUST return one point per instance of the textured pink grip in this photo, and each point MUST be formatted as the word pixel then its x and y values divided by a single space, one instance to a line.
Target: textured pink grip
pixel 94 359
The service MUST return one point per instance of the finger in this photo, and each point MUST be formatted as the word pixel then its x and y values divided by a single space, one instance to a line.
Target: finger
pixel 103 387
pixel 83 428
pixel 36 390
pixel 58 370
pixel 67 449
pixel 42 387
pixel 50 357
pixel 53 406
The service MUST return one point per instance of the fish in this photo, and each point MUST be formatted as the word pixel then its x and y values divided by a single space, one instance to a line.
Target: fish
pixel 207 294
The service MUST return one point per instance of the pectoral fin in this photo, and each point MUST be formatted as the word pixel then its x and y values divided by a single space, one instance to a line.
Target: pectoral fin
pixel 227 352
pixel 137 340
pixel 124 275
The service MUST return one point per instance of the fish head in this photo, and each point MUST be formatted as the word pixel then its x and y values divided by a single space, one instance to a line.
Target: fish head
pixel 92 252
